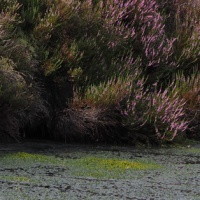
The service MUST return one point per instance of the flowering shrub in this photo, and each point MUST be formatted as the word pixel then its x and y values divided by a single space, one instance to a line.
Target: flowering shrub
pixel 167 114
pixel 106 95
pixel 107 49
pixel 188 89
pixel 134 114
pixel 138 25
pixel 182 19
pixel 164 113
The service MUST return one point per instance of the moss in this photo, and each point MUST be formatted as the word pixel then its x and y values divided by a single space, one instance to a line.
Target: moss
pixel 26 159
pixel 108 167
pixel 29 156
pixel 112 164
pixel 194 150
pixel 96 167
pixel 15 178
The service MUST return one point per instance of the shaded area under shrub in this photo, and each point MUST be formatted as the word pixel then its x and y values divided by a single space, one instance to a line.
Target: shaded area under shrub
pixel 89 125
pixel 9 127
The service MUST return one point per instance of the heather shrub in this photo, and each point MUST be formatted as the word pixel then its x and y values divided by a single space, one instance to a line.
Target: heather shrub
pixel 20 96
pixel 109 32
pixel 167 114
pixel 100 106
pixel 113 52
pixel 187 88
pixel 187 34
pixel 57 33
pixel 20 101
pixel 13 43
pixel 31 12
pixel 13 96
pixel 182 23
pixel 13 85
pixel 134 28
pixel 8 22
pixel 139 26
pixel 134 114
pixel 150 41
pixel 106 94
pixel 97 110
pixel 156 115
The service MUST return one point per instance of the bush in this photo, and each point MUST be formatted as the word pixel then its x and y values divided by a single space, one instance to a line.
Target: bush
pixel 182 23
pixel 188 89
pixel 20 93
pixel 166 113
pixel 113 52
pixel 156 115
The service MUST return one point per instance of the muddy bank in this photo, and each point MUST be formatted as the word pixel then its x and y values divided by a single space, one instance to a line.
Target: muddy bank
pixel 60 171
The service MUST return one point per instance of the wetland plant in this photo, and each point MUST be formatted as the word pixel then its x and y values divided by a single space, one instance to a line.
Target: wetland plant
pixel 76 69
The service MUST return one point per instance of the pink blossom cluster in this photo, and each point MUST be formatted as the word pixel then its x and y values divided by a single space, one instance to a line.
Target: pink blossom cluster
pixel 138 25
pixel 164 112
pixel 167 113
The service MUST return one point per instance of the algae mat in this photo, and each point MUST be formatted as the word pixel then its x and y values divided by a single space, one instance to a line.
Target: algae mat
pixel 57 171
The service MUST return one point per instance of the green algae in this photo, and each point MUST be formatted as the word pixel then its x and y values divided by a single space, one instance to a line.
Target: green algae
pixel 84 166
pixel 113 163
pixel 15 178
pixel 23 158
pixel 109 167
pixel 30 156
pixel 194 150
pixel 79 173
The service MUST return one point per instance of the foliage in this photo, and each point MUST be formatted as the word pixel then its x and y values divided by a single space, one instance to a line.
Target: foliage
pixel 114 52
pixel 166 112
pixel 158 110
pixel 188 89
pixel 182 24
pixel 20 100
pixel 105 95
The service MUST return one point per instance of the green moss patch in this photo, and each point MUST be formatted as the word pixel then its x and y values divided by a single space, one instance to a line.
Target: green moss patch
pixel 194 150
pixel 85 166
pixel 108 167
pixel 29 156
pixel 15 178
pixel 23 159
pixel 112 164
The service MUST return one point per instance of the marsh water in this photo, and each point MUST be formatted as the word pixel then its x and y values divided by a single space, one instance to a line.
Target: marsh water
pixel 37 170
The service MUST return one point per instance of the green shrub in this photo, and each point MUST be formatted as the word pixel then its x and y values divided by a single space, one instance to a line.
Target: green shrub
pixel 107 49
pixel 13 85
pixel 187 88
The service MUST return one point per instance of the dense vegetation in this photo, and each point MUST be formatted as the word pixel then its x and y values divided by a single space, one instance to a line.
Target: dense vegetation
pixel 114 71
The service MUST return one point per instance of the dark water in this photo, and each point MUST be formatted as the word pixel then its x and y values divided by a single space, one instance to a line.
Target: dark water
pixel 177 178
